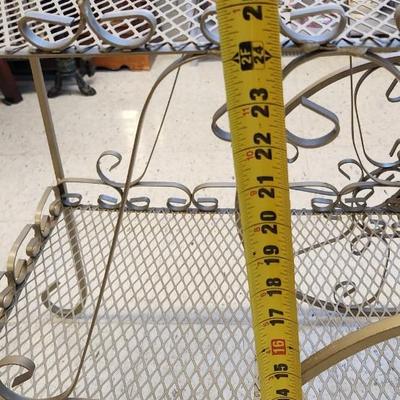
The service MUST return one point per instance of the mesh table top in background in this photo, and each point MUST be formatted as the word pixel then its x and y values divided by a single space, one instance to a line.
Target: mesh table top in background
pixel 370 23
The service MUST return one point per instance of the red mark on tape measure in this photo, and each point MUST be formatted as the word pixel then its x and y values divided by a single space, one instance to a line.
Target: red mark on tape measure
pixel 245 111
pixel 278 347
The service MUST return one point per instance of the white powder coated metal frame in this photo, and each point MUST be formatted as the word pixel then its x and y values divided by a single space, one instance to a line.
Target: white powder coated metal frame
pixel 161 310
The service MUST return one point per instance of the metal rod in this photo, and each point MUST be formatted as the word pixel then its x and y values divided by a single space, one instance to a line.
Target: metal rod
pixel 47 119
pixel 59 173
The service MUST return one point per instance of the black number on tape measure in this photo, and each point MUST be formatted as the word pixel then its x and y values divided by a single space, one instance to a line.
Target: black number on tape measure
pixel 263 179
pixel 269 261
pixel 258 60
pixel 255 93
pixel 261 138
pixel 266 192
pixel 273 282
pixel 271 249
pixel 249 12
pixel 263 192
pixel 274 292
pixel 260 153
pixel 256 111
pixel 283 392
pixel 268 216
pixel 246 56
pixel 281 367
pixel 269 228
pixel 272 312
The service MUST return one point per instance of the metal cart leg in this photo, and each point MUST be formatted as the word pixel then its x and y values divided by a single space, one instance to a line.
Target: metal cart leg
pixel 59 173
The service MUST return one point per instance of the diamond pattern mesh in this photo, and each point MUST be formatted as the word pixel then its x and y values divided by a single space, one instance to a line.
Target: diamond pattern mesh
pixel 370 23
pixel 175 319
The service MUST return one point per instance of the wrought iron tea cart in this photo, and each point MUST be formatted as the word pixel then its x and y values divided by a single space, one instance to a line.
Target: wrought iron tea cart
pixel 121 299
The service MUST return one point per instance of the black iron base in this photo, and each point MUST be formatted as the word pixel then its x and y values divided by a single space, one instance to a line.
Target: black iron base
pixel 70 68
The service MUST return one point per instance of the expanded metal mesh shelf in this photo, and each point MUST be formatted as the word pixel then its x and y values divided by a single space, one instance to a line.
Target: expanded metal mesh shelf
pixel 175 319
pixel 177 24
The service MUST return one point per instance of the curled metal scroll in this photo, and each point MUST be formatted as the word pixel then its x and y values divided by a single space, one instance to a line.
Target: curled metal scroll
pixel 135 203
pixel 104 201
pixel 7 295
pixel 293 139
pixel 26 363
pixel 64 312
pixel 327 80
pixel 174 204
pixel 86 15
pixel 296 37
pixel 213 37
pixel 107 202
pixel 177 204
pixel 219 132
pixel 58 45
pixel 350 161
pixel 319 204
pixel 301 38
pixel 47 222
pixel 349 287
pixel 19 267
pixel 104 178
pixel 375 61
pixel 384 165
pixel 116 41
pixel 19 361
pixel 390 91
pixel 226 136
pixel 360 192
pixel 294 158
pixel 315 142
pixel 44 224
pixel 354 197
pixel 71 199
pixel 138 203
pixel 209 203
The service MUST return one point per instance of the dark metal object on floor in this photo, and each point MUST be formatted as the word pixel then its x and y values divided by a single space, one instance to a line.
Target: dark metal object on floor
pixel 8 86
pixel 70 68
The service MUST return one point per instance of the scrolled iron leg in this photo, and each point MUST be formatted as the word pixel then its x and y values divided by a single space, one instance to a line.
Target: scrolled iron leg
pixel 83 86
pixel 56 89
pixel 70 69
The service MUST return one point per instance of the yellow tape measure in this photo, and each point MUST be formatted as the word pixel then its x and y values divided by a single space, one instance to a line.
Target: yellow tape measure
pixel 251 55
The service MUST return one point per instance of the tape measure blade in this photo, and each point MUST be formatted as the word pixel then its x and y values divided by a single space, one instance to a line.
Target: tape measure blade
pixel 251 55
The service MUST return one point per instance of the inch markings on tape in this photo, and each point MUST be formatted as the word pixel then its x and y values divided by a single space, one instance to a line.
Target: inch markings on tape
pixel 251 55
